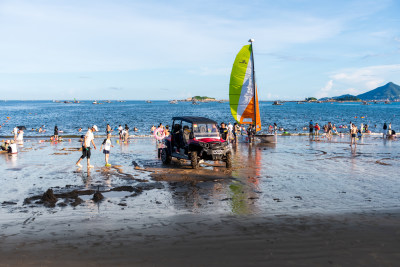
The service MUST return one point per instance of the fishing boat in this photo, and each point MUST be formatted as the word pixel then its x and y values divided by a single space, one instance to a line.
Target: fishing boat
pixel 173 102
pixel 277 103
pixel 148 101
pixel 243 97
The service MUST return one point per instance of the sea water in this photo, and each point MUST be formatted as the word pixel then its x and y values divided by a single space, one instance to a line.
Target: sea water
pixel 290 116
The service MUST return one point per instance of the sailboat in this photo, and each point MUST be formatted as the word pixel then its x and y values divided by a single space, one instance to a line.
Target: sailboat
pixel 243 97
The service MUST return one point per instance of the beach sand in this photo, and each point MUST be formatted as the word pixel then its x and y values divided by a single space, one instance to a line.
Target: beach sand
pixel 294 203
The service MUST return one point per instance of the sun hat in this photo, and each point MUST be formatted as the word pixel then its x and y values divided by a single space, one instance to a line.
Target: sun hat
pixel 95 128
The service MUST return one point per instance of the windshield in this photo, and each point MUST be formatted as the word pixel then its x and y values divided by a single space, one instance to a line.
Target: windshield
pixel 205 130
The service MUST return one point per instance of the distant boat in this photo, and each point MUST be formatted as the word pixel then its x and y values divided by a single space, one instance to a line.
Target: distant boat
pixel 300 102
pixel 148 101
pixel 107 101
pixel 67 102
pixel 277 103
pixel 365 103
pixel 173 102
pixel 121 101
pixel 387 102
pixel 194 102
pixel 76 101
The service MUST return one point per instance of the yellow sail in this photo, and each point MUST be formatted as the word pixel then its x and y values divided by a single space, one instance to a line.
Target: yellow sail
pixel 243 97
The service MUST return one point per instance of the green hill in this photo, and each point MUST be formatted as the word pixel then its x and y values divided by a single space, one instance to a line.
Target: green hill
pixel 389 91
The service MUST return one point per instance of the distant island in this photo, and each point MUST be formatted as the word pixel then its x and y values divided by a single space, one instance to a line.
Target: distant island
pixel 202 99
pixel 387 92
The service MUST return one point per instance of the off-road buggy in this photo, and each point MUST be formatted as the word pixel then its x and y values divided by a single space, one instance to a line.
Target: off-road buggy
pixel 195 139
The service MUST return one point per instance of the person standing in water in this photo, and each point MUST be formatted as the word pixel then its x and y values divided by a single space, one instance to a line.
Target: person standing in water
pixel 15 131
pixel 55 133
pixel 87 140
pixel 353 132
pixel 311 129
pixel 107 147
pixel 108 129
pixel 384 130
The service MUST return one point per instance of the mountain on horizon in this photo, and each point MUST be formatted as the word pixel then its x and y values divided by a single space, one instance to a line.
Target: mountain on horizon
pixel 389 91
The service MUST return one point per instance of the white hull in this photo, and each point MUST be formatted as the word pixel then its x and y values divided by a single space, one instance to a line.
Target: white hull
pixel 267 138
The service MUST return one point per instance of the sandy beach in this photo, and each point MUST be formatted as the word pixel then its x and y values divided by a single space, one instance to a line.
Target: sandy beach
pixel 296 203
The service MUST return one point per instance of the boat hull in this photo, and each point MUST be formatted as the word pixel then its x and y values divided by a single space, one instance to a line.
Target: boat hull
pixel 267 138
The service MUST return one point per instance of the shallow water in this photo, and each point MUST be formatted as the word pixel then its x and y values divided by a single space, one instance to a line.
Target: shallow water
pixel 295 176
pixel 291 116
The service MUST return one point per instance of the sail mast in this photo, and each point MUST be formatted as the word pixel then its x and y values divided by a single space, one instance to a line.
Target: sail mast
pixel 254 85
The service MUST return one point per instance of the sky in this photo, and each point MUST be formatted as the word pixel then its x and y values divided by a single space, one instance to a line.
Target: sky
pixel 163 50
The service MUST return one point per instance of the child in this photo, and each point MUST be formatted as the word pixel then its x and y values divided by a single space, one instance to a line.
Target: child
pixel 107 146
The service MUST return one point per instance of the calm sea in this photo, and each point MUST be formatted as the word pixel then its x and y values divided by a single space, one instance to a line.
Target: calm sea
pixel 291 116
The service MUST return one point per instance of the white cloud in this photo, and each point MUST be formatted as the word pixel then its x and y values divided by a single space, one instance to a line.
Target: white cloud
pixel 325 91
pixel 368 77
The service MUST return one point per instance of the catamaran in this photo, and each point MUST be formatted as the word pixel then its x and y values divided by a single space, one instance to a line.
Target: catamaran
pixel 243 97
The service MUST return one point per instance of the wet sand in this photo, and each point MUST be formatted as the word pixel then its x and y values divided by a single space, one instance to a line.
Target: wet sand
pixel 295 203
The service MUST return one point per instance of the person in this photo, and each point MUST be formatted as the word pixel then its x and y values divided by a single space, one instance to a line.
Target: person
pixel 236 131
pixel 270 129
pixel 230 131
pixel 5 145
pixel 311 129
pixel 223 131
pixel 80 130
pixel 250 133
pixel 152 129
pixel 108 129
pixel 55 133
pixel 275 127
pixel 20 137
pixel 384 130
pixel 15 131
pixel 317 128
pixel 12 149
pixel 392 135
pixel 40 130
pixel 166 131
pixel 87 140
pixel 359 134
pixel 329 131
pixel 126 134
pixel 353 132
pixel 107 147
pixel 120 129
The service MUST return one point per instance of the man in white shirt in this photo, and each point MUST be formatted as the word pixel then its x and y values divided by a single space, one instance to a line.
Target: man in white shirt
pixel 89 137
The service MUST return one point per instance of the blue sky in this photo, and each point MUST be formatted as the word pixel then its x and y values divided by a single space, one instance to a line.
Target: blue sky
pixel 177 49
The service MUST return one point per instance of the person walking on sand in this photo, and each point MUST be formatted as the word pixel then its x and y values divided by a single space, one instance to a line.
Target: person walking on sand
pixel 353 132
pixel 107 147
pixel 87 140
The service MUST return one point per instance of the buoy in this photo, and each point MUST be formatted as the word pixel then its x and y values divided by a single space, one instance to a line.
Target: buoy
pixel 159 133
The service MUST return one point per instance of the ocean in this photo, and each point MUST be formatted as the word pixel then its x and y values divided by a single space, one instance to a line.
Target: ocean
pixel 290 116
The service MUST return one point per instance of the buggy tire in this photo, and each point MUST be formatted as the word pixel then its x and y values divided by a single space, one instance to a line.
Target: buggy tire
pixel 228 160
pixel 165 157
pixel 194 160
